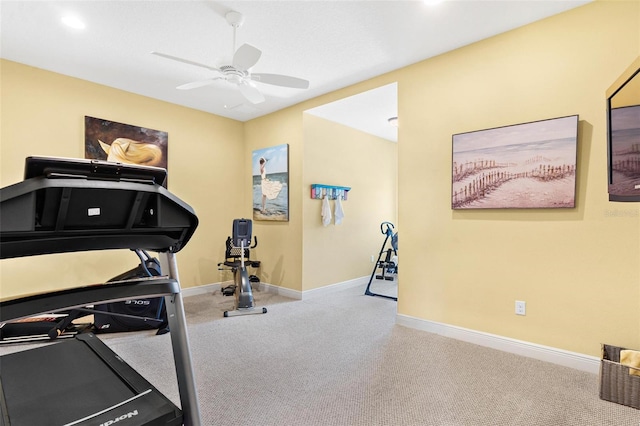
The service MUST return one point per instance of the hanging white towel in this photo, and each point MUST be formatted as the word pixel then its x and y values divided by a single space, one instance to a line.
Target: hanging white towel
pixel 326 211
pixel 339 214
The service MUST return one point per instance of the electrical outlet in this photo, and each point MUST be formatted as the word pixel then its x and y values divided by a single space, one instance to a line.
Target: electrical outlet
pixel 521 308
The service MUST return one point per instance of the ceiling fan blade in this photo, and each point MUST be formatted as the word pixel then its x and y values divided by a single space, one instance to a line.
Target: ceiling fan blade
pixel 252 94
pixel 196 84
pixel 281 80
pixel 184 61
pixel 245 57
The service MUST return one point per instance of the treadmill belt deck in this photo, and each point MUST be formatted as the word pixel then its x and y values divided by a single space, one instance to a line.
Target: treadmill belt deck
pixel 78 381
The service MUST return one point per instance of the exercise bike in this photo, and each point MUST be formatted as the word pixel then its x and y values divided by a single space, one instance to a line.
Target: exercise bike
pixel 237 258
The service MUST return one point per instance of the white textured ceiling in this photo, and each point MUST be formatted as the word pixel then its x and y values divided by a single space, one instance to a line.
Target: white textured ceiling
pixel 332 43
pixel 368 111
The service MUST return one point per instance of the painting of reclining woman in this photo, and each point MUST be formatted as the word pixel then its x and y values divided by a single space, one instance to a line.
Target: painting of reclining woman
pixel 124 143
pixel 530 165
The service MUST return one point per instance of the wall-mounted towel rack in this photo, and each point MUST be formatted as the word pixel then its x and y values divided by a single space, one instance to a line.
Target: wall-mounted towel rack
pixel 318 191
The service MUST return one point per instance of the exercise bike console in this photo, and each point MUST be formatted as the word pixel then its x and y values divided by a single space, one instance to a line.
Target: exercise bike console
pixel 242 232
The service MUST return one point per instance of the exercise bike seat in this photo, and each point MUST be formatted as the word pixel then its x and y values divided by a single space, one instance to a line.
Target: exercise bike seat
pixel 231 263
pixel 238 263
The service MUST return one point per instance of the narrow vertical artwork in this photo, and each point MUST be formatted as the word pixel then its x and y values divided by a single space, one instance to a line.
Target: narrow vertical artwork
pixel 530 165
pixel 124 143
pixel 270 172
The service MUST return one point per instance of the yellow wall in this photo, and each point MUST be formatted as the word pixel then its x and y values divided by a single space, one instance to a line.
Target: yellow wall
pixel 280 243
pixel 285 246
pixel 43 114
pixel 577 269
pixel 206 154
pixel 337 155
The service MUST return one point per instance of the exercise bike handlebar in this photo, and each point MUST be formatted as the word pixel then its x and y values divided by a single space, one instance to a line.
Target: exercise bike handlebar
pixel 255 243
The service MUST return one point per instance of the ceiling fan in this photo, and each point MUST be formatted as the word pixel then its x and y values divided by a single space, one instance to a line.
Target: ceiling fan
pixel 238 72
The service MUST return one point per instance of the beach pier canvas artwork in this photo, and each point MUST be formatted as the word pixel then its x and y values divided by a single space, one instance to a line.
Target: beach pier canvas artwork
pixel 530 165
pixel 270 170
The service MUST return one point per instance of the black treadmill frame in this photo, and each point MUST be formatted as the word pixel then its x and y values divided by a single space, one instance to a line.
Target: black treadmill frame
pixel 44 215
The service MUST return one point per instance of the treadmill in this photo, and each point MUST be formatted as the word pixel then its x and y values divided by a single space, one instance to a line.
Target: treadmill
pixel 70 205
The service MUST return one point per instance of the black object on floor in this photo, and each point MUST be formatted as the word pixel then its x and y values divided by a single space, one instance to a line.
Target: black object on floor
pixel 134 314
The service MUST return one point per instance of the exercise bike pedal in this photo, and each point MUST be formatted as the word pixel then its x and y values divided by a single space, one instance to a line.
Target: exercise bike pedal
pixel 228 291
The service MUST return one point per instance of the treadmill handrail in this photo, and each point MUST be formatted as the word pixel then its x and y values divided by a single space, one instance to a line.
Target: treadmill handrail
pixel 79 297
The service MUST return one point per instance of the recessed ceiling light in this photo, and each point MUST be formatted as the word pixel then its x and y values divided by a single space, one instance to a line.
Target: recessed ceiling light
pixel 73 22
pixel 432 2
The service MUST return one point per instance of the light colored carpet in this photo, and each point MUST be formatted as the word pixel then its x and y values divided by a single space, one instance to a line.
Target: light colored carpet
pixel 384 287
pixel 340 359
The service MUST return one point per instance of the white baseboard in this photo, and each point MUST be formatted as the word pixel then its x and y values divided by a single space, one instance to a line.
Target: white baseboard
pixel 282 291
pixel 307 294
pixel 201 289
pixel 574 360
pixel 321 291
pixel 212 288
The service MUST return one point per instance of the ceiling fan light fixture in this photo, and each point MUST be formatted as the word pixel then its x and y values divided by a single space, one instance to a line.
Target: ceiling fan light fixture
pixel 393 121
pixel 74 22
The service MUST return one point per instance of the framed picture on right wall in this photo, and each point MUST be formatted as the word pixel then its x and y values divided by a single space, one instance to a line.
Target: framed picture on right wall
pixel 522 166
pixel 624 151
pixel 623 135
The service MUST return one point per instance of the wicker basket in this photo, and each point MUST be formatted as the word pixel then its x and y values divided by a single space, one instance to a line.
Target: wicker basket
pixel 616 384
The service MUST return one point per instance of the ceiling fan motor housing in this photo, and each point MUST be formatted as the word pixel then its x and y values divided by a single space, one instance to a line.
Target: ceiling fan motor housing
pixel 235 19
pixel 233 74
